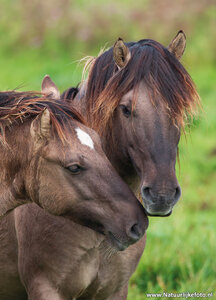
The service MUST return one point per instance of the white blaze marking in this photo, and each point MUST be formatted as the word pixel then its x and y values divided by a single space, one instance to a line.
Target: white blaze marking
pixel 84 138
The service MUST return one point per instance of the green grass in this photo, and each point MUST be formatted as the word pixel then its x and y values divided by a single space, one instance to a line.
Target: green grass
pixel 26 69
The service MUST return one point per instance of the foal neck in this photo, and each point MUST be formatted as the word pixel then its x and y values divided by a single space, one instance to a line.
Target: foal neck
pixel 14 155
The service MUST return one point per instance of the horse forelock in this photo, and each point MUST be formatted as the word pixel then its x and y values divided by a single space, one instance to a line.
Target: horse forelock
pixel 152 63
pixel 18 107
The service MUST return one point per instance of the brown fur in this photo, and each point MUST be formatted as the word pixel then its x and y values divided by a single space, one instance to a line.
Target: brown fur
pixel 59 259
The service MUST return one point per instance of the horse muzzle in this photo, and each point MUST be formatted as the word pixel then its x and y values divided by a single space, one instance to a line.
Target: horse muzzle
pixel 158 203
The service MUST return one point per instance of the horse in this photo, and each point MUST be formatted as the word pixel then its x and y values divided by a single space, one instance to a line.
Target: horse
pixel 44 143
pixel 139 113
pixel 138 97
pixel 72 178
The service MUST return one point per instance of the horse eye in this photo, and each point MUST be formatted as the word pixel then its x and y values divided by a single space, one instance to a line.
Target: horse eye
pixel 74 169
pixel 126 111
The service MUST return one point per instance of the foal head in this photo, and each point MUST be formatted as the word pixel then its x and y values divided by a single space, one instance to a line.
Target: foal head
pixel 59 164
pixel 138 98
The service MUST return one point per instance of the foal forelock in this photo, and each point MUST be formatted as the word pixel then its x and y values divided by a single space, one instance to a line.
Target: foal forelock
pixel 164 76
pixel 18 107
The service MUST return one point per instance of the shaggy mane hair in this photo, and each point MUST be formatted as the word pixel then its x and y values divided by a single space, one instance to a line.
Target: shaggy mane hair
pixel 151 63
pixel 17 107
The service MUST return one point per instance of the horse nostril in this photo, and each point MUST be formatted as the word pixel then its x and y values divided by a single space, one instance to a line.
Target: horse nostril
pixel 148 195
pixel 177 193
pixel 135 232
pixel 146 192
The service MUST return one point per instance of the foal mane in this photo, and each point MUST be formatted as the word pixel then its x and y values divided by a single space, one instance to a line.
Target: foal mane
pixel 18 107
pixel 151 63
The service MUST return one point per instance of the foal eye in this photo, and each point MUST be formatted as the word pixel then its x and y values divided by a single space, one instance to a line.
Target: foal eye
pixel 74 169
pixel 126 111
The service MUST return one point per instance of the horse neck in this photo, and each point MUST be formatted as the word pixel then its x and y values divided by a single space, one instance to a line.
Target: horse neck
pixel 14 157
pixel 121 163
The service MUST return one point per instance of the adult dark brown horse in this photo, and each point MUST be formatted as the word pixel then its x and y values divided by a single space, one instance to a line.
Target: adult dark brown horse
pixel 138 96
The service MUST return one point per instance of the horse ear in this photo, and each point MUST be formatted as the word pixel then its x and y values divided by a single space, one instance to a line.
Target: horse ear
pixel 121 54
pixel 178 44
pixel 41 126
pixel 48 87
pixel 45 125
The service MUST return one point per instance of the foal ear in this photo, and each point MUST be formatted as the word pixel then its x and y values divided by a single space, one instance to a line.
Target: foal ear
pixel 48 87
pixel 178 44
pixel 41 126
pixel 121 54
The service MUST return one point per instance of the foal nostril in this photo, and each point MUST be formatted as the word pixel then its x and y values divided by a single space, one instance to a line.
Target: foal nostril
pixel 135 232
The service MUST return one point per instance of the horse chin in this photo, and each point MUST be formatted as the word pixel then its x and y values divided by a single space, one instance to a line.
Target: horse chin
pixel 159 214
pixel 156 210
pixel 116 243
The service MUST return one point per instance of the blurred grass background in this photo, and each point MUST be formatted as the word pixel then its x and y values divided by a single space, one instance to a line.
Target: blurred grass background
pixel 49 37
